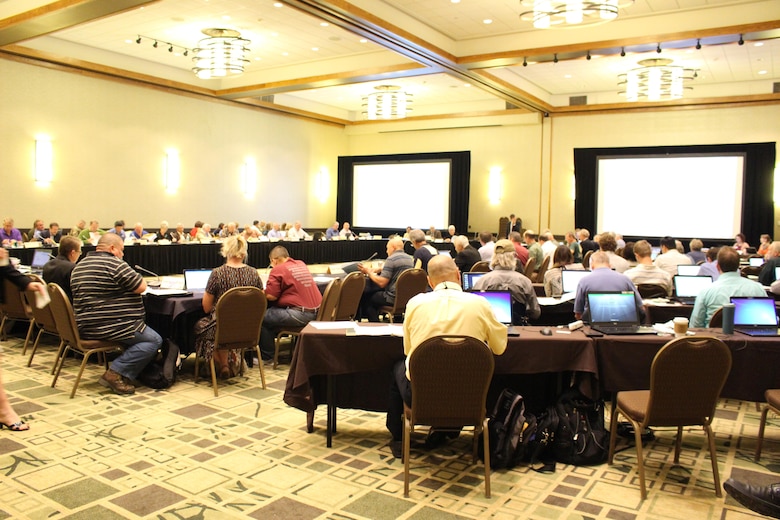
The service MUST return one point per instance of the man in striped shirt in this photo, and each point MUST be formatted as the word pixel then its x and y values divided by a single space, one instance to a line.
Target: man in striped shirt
pixel 108 306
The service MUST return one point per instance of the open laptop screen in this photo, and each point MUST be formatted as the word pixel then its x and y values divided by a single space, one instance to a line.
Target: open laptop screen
pixel 688 270
pixel 756 261
pixel 570 279
pixel 500 302
pixel 469 279
pixel 196 279
pixel 690 286
pixel 757 311
pixel 613 308
pixel 40 257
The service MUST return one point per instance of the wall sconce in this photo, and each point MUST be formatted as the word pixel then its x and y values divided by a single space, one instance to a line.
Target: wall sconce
pixel 494 185
pixel 249 177
pixel 172 171
pixel 322 185
pixel 44 156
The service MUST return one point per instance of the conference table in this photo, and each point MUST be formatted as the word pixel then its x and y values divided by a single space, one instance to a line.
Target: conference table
pixel 354 371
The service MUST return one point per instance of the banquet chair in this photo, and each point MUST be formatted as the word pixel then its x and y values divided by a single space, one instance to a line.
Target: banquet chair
pixel 651 290
pixel 586 259
pixel 326 312
pixel 349 296
pixel 716 321
pixel 538 276
pixel 772 403
pixel 65 320
pixel 44 321
pixel 450 377
pixel 480 267
pixel 529 268
pixel 410 283
pixel 15 308
pixel 686 378
pixel 239 314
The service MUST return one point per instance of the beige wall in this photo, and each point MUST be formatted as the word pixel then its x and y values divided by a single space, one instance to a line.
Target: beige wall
pixel 110 138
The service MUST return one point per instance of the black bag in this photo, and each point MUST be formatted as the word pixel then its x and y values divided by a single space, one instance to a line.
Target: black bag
pixel 581 438
pixel 161 373
pixel 539 438
pixel 506 426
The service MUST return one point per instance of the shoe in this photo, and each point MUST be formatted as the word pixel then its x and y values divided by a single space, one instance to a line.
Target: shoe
pixel 117 383
pixel 397 449
pixel 761 499
pixel 18 426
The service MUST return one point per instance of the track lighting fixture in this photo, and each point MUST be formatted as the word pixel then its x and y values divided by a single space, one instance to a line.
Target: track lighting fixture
pixel 741 41
pixel 172 47
pixel 525 62
pixel 658 49
pixel 155 45
pixel 555 58
pixel 698 45
pixel 587 56
pixel 186 52
pixel 138 40
pixel 622 52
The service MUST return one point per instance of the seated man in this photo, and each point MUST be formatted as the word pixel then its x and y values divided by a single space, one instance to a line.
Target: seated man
pixel 767 274
pixel 608 244
pixel 92 234
pixel 346 232
pixel 586 244
pixel 333 231
pixel 297 232
pixel 576 250
pixel 36 230
pixel 9 235
pixel 229 230
pixel 423 251
pixel 534 249
pixel 276 231
pixel 76 230
pixel 466 255
pixel 119 229
pixel 445 310
pixel 730 283
pixel 50 236
pixel 139 233
pixel 696 254
pixel 710 265
pixel 602 279
pixel 58 270
pixel 645 271
pixel 108 306
pixel 294 295
pixel 503 277
pixel 521 252
pixel 487 245
pixel 380 286
pixel 670 257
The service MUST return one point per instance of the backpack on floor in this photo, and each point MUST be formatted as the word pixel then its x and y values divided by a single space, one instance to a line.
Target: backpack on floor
pixel 161 372
pixel 507 427
pixel 581 438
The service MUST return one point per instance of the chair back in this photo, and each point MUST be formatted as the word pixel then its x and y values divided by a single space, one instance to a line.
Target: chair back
pixel 330 299
pixel 716 321
pixel 651 290
pixel 410 283
pixel 686 378
pixel 450 377
pixel 539 275
pixel 14 305
pixel 43 316
pixel 481 267
pixel 530 265
pixel 239 314
pixel 586 259
pixel 64 317
pixel 349 296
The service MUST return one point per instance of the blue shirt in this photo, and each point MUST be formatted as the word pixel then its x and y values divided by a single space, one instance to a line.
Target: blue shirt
pixel 331 233
pixel 713 297
pixel 710 269
pixel 602 280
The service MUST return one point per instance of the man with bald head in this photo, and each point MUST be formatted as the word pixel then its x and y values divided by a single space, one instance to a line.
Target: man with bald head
pixel 108 306
pixel 380 286
pixel 445 310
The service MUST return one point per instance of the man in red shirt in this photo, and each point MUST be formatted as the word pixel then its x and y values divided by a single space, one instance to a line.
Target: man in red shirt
pixel 293 298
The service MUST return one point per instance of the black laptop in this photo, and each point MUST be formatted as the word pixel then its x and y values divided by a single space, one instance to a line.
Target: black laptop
pixel 469 279
pixel 615 313
pixel 755 316
pixel 687 288
pixel 501 303
pixel 195 280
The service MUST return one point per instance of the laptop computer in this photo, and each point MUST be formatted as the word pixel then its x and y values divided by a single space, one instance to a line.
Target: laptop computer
pixel 39 259
pixel 755 316
pixel 756 261
pixel 688 270
pixel 777 273
pixel 615 313
pixel 501 303
pixel 469 279
pixel 570 279
pixel 687 288
pixel 196 279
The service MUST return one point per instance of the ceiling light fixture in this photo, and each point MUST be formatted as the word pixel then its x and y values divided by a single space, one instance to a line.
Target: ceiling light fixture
pixel 698 45
pixel 656 79
pixel 547 14
pixel 388 102
pixel 221 54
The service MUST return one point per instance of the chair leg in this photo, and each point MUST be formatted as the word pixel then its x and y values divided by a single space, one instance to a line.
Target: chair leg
pixel 761 427
pixel 60 353
pixel 309 422
pixel 35 347
pixel 3 335
pixel 262 374
pixel 678 445
pixel 29 335
pixel 197 363
pixel 640 463
pixel 277 340
pixel 58 365
pixel 81 371
pixel 486 446
pixel 714 457
pixel 406 453
pixel 613 423
pixel 213 376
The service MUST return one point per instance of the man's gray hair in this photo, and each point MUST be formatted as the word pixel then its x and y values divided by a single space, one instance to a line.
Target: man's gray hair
pixel 417 235
pixel 505 261
pixel 460 241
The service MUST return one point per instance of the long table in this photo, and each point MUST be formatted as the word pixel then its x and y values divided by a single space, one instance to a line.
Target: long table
pixel 329 367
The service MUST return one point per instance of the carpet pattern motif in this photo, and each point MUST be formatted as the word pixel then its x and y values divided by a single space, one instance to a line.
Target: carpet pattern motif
pixel 182 453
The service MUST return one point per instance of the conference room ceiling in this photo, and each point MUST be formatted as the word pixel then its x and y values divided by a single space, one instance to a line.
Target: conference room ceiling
pixel 319 58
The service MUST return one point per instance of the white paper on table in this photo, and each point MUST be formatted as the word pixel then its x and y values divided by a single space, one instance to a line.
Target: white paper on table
pixel 332 325
pixel 42 299
pixel 549 300
pixel 382 330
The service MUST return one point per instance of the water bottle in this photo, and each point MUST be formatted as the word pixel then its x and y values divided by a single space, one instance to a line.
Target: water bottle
pixel 728 318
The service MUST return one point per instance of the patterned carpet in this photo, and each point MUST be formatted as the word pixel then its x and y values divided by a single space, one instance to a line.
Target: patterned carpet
pixel 182 453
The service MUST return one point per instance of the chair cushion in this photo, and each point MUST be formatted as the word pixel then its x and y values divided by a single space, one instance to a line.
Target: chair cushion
pixel 634 403
pixel 773 397
pixel 89 344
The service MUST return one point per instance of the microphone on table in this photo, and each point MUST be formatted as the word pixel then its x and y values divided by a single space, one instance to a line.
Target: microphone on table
pixel 52 256
pixel 147 271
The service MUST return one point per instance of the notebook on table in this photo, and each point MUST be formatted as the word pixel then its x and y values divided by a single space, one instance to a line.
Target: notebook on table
pixel 469 279
pixel 687 288
pixel 501 303
pixel 688 270
pixel 570 279
pixel 615 313
pixel 755 316
pixel 39 259
pixel 196 279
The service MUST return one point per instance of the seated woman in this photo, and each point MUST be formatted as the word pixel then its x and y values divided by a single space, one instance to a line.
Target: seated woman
pixel 234 273
pixel 562 259
pixel 740 244
pixel 763 247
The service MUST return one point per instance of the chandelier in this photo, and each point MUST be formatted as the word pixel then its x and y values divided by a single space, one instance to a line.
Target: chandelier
pixel 221 54
pixel 388 102
pixel 558 13
pixel 656 79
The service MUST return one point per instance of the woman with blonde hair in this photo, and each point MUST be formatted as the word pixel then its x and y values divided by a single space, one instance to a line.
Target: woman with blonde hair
pixel 234 273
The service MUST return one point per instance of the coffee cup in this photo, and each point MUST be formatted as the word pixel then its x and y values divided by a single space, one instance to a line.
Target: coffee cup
pixel 680 326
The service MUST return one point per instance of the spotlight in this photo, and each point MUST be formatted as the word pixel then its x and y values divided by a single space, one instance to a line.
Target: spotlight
pixel 138 40
pixel 658 49
pixel 155 45
pixel 622 52
pixel 555 58
pixel 170 49
pixel 525 62
pixel 186 52
pixel 698 45
pixel 587 56
pixel 741 41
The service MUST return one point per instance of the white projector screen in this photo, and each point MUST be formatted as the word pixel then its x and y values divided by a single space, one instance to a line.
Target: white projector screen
pixel 680 196
pixel 400 194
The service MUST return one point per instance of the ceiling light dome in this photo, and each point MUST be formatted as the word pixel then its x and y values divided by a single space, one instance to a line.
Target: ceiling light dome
pixel 221 54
